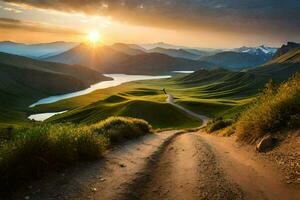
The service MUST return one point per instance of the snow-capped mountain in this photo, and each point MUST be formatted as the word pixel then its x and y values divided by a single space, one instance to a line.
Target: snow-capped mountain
pixel 261 50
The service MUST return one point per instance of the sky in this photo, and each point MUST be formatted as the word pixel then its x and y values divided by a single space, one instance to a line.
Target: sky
pixel 195 23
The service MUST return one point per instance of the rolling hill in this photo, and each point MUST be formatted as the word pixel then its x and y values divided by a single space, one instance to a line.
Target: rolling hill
pixel 280 67
pixel 285 48
pixel 220 83
pixel 236 60
pixel 247 82
pixel 211 92
pixel 159 115
pixel 24 80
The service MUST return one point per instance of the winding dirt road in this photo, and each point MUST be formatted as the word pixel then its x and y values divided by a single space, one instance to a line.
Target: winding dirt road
pixel 204 119
pixel 169 165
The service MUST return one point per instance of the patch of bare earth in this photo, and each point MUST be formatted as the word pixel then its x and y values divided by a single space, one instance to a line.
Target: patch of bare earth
pixel 257 176
pixel 287 157
pixel 177 166
pixel 186 169
pixel 105 179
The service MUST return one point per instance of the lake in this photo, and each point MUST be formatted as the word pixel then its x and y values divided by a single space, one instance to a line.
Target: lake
pixel 44 116
pixel 184 72
pixel 118 79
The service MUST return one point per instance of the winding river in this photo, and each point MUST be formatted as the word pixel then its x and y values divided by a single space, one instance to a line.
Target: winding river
pixel 118 79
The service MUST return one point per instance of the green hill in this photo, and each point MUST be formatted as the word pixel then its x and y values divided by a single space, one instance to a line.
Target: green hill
pixel 286 48
pixel 217 92
pixel 281 67
pixel 159 115
pixel 24 80
pixel 222 83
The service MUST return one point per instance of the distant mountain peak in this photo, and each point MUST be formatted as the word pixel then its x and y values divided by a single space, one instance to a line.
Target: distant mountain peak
pixel 259 50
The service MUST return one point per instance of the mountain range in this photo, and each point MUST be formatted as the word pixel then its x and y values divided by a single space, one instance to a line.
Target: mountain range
pixel 237 60
pixel 108 58
pixel 23 80
pixel 260 50
pixel 36 50
pixel 245 82
pixel 125 59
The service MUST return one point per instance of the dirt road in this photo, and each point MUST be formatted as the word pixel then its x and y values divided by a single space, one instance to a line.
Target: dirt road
pixel 169 165
pixel 203 118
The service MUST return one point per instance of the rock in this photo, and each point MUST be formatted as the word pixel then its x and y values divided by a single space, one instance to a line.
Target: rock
pixel 27 197
pixel 94 189
pixel 266 143
pixel 122 165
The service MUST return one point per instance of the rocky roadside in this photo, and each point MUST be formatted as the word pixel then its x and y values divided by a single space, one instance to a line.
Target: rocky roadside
pixel 286 155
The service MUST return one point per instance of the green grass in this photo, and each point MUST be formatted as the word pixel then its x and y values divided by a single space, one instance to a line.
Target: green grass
pixel 213 93
pixel 274 109
pixel 24 81
pixel 217 124
pixel 145 100
pixel 158 114
pixel 28 152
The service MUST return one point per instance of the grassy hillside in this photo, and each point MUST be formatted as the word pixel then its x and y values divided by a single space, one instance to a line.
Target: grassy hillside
pixel 143 99
pixel 211 92
pixel 30 152
pixel 292 56
pixel 24 80
pixel 275 108
pixel 280 68
pixel 214 93
pixel 83 74
pixel 286 48
pixel 222 83
pixel 158 114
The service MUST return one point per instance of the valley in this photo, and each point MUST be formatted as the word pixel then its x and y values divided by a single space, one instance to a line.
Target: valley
pixel 149 100
pixel 73 114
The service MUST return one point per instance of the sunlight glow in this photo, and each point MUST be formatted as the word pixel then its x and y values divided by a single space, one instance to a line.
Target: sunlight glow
pixel 94 36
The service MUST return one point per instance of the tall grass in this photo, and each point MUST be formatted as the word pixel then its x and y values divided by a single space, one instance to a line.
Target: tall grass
pixel 274 109
pixel 118 129
pixel 217 124
pixel 30 152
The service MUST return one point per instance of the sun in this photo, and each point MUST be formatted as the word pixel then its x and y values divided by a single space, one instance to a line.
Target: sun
pixel 94 36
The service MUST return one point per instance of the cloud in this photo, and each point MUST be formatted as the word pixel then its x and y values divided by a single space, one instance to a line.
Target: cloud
pixel 269 17
pixel 6 23
pixel 12 10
